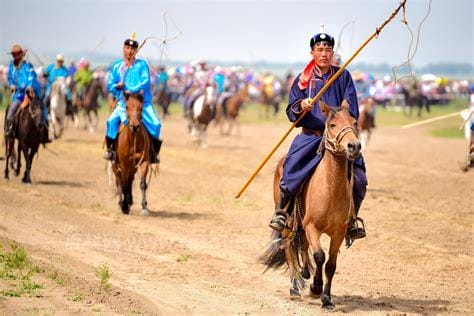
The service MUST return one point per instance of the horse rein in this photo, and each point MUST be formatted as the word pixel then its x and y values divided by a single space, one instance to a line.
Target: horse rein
pixel 147 141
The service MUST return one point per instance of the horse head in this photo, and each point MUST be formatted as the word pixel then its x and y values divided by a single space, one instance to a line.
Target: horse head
pixel 209 95
pixel 134 106
pixel 59 87
pixel 341 135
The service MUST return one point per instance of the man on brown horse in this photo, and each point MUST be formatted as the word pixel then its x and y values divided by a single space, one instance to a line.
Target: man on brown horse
pixel 22 75
pixel 132 75
pixel 303 157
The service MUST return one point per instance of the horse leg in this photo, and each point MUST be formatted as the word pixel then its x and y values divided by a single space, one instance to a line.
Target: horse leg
pixel 18 160
pixel 8 154
pixel 120 193
pixel 204 138
pixel 96 120
pixel 312 234
pixel 143 187
pixel 330 269
pixel 128 195
pixel 86 117
pixel 306 274
pixel 231 125
pixel 295 278
pixel 26 175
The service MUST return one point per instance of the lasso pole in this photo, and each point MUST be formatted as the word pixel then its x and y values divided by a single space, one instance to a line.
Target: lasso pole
pixel 318 96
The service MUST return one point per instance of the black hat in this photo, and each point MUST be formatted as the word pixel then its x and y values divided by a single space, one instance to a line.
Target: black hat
pixel 321 37
pixel 131 41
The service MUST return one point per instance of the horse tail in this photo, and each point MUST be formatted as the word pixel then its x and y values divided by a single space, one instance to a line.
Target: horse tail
pixel 274 256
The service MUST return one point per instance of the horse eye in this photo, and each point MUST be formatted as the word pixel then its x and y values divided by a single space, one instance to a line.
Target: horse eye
pixel 332 125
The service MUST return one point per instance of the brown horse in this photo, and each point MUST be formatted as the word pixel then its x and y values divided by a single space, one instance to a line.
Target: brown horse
pixel 163 100
pixel 200 115
pixel 133 153
pixel 227 113
pixel 366 121
pixel 89 103
pixel 28 132
pixel 325 205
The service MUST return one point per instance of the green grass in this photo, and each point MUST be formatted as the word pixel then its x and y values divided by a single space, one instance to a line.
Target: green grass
pixel 104 274
pixel 183 258
pixel 392 117
pixel 78 297
pixel 17 267
pixel 54 276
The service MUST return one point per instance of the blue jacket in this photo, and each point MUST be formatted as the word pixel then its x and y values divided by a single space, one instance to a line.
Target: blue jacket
pixel 21 78
pixel 137 80
pixel 54 72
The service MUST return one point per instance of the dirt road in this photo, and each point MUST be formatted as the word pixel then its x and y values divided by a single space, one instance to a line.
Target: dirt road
pixel 197 252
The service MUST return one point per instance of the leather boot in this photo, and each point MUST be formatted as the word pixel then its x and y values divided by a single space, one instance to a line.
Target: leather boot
pixel 110 154
pixel 45 133
pixel 155 150
pixel 355 228
pixel 280 216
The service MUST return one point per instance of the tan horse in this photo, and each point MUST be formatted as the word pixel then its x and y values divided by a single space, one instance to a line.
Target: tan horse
pixel 227 113
pixel 324 207
pixel 133 153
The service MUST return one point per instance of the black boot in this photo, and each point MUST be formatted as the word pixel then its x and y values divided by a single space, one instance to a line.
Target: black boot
pixel 155 150
pixel 110 154
pixel 44 130
pixel 356 228
pixel 280 216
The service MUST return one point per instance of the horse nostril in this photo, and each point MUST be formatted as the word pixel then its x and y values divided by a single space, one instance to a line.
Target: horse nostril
pixel 353 146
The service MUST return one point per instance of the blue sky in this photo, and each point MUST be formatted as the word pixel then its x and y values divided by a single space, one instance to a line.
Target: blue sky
pixel 274 31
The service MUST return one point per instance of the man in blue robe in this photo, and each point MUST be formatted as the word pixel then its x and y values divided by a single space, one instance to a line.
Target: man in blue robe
pixel 53 72
pixel 131 75
pixel 302 157
pixel 22 75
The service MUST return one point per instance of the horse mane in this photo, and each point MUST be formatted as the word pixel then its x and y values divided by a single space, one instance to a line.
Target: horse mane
pixel 137 96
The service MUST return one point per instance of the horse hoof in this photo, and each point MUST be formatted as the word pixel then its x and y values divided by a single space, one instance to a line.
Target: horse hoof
pixel 328 306
pixel 145 212
pixel 125 211
pixel 295 294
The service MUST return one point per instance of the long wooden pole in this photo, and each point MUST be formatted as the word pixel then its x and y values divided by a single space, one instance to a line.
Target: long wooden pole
pixel 318 96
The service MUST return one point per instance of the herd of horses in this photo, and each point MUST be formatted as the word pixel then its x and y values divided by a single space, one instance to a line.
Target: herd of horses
pixel 317 210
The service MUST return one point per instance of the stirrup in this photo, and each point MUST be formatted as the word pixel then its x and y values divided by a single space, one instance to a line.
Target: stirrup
pixel 355 231
pixel 110 155
pixel 278 222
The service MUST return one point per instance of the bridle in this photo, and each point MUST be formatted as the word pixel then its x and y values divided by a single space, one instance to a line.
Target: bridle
pixel 333 144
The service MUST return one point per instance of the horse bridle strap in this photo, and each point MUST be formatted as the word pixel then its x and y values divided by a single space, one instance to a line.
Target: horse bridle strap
pixel 334 144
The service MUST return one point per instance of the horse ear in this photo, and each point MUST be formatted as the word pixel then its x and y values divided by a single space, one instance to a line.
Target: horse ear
pixel 345 105
pixel 30 92
pixel 324 107
pixel 126 94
